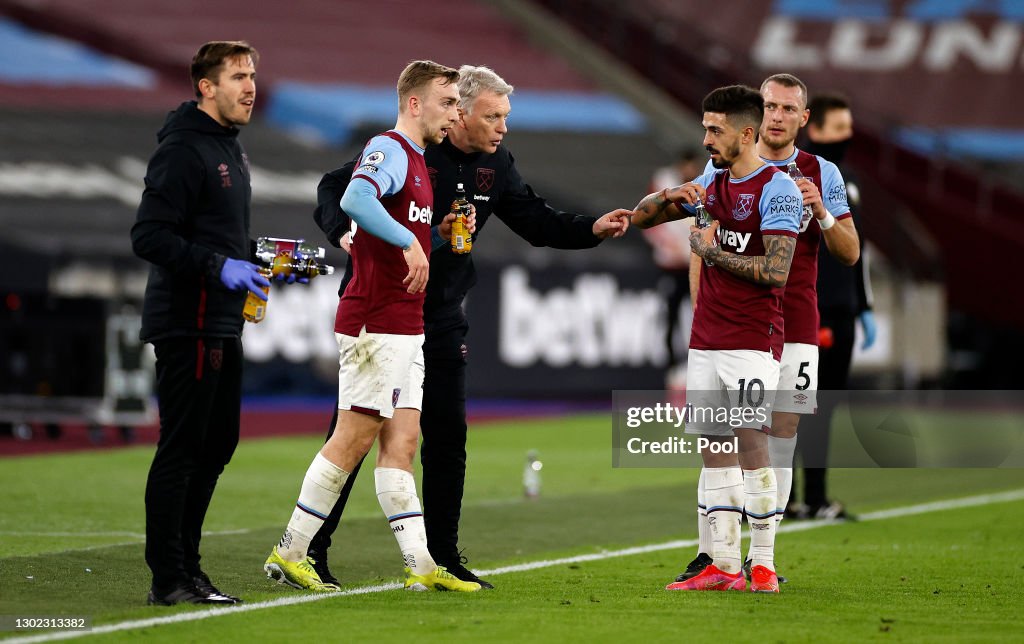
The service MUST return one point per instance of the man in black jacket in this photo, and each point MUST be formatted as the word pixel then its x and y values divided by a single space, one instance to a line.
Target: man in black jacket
pixel 472 155
pixel 193 227
pixel 844 298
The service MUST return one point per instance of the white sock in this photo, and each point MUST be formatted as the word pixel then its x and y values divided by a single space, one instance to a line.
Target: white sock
pixel 780 451
pixel 723 491
pixel 705 544
pixel 320 491
pixel 759 496
pixel 396 492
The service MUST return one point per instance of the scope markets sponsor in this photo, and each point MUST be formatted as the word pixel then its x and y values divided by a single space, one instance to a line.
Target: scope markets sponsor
pixel 591 323
pixel 785 204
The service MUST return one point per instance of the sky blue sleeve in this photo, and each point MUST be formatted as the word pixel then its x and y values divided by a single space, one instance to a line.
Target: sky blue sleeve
pixel 384 164
pixel 781 204
pixel 360 202
pixel 705 180
pixel 833 189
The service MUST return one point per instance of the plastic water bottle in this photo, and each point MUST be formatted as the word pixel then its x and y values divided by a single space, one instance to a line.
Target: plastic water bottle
pixel 808 212
pixel 531 475
pixel 278 256
pixel 703 220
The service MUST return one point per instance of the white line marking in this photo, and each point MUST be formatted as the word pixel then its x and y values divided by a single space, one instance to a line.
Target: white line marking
pixel 137 539
pixel 16 533
pixel 905 511
pixel 132 535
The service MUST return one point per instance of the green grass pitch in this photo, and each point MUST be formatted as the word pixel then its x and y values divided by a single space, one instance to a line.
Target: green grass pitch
pixel 70 544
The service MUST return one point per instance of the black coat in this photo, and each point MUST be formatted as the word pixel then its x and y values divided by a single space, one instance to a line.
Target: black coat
pixel 194 214
pixel 492 183
pixel 844 291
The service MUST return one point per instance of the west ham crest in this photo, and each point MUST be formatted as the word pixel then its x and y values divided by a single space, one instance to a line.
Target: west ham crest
pixel 484 179
pixel 216 359
pixel 743 208
pixel 225 175
pixel 394 396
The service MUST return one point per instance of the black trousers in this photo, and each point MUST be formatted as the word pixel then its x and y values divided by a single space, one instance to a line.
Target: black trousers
pixel 442 451
pixel 833 374
pixel 199 387
pixel 677 290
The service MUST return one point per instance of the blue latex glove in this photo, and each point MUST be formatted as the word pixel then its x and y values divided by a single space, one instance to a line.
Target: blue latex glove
pixel 870 328
pixel 290 278
pixel 239 274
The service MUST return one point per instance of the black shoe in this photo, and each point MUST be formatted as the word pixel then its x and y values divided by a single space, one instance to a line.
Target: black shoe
pixel 457 567
pixel 746 573
pixel 831 510
pixel 184 593
pixel 205 587
pixel 319 561
pixel 798 511
pixel 695 567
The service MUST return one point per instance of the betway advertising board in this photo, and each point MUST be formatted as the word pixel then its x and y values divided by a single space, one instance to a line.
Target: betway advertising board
pixel 552 331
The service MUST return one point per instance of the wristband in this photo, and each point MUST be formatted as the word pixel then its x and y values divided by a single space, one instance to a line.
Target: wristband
pixel 827 222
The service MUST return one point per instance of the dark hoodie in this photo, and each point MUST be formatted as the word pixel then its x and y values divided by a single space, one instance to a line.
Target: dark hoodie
pixel 194 214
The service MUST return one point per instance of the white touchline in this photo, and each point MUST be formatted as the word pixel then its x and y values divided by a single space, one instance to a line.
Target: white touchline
pixel 137 536
pixel 908 510
pixel 86 535
pixel 17 533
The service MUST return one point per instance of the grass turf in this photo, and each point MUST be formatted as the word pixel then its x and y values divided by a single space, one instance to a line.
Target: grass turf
pixel 847 578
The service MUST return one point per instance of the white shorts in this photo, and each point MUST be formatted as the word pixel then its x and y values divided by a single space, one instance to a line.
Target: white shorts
pixel 715 378
pixel 380 372
pixel 798 379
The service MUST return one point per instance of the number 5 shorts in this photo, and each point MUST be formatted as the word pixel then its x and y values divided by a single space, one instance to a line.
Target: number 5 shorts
pixel 713 382
pixel 380 372
pixel 798 379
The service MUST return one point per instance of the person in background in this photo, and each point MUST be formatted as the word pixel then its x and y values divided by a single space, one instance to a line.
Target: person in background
pixel 671 246
pixel 844 300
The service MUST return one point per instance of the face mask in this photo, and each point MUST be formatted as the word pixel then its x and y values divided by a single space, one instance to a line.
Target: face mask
pixel 833 152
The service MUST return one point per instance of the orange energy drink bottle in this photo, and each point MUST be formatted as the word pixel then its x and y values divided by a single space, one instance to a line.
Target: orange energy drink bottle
pixel 462 241
pixel 255 308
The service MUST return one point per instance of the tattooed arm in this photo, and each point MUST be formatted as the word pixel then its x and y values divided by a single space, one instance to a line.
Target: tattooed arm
pixel 770 269
pixel 661 207
pixel 694 278
pixel 655 209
